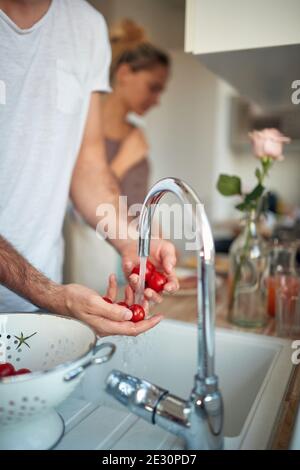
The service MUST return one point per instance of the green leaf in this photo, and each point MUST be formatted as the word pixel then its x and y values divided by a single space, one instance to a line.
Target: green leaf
pixel 242 206
pixel 229 185
pixel 255 194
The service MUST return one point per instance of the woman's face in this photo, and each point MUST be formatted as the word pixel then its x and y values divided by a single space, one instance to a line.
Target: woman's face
pixel 141 90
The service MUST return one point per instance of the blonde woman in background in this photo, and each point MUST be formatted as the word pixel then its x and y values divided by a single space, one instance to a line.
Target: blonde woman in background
pixel 139 72
pixel 138 75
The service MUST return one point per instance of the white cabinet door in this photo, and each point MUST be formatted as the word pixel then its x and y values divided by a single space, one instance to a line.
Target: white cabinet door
pixel 228 25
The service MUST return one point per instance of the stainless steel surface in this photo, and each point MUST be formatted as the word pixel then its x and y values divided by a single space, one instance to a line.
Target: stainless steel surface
pixel 198 420
pixel 71 375
pixel 140 396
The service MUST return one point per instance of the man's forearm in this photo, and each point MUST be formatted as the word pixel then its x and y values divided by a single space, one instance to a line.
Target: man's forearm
pixel 93 184
pixel 21 277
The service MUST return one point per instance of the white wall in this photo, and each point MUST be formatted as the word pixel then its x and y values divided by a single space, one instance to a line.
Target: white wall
pixel 162 19
pixel 181 131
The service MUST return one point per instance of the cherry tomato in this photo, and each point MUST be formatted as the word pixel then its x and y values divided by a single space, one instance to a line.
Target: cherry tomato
pixel 6 369
pixel 22 371
pixel 150 268
pixel 108 300
pixel 124 304
pixel 138 313
pixel 157 281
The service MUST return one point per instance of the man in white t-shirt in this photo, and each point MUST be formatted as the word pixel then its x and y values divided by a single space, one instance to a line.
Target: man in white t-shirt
pixel 54 61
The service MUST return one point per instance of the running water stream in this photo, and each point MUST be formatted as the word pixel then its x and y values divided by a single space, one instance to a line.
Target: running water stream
pixel 139 293
pixel 140 345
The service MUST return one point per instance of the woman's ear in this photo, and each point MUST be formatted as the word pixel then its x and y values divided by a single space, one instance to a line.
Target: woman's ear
pixel 123 74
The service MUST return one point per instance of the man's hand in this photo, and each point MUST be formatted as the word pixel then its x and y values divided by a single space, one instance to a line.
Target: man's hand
pixel 105 318
pixel 162 255
pixel 73 300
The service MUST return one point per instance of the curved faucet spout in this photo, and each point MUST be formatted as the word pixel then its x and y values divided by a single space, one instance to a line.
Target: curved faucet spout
pixel 205 260
pixel 199 420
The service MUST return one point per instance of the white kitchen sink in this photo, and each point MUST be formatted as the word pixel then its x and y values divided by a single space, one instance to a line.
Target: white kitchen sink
pixel 253 370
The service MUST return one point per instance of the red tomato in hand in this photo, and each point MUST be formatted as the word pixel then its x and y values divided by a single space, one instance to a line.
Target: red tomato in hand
pixel 157 281
pixel 138 313
pixel 108 300
pixel 22 371
pixel 123 304
pixel 150 268
pixel 6 369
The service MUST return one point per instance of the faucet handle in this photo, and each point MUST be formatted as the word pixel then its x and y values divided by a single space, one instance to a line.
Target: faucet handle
pixel 139 396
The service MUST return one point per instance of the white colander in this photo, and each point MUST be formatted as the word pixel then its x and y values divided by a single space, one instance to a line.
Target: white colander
pixel 57 350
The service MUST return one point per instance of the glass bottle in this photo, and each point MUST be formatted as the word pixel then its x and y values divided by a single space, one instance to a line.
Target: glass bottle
pixel 247 299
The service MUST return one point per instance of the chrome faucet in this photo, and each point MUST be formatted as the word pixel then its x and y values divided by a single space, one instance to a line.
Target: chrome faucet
pixel 198 420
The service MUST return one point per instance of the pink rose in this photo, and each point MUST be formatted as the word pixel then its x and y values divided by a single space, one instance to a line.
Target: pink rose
pixel 268 143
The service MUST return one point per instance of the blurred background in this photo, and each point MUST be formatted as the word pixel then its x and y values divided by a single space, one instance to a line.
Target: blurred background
pixel 233 65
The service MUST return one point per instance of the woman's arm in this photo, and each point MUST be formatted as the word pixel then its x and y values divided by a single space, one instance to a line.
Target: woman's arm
pixel 133 150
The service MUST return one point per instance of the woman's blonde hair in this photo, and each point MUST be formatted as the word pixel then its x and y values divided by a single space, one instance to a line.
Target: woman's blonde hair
pixel 131 46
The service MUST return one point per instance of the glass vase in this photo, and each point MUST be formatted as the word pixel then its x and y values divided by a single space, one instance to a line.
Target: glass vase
pixel 247 299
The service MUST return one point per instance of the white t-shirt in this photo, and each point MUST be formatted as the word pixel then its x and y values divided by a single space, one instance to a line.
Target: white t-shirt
pixel 47 74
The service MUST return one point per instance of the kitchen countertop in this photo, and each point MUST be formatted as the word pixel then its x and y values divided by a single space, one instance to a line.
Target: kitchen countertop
pixel 184 308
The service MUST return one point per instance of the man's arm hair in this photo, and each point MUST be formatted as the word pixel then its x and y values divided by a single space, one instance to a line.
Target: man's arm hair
pixel 21 277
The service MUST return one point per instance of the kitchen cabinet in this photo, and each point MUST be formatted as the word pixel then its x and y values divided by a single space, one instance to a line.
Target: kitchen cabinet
pixel 230 25
pixel 253 45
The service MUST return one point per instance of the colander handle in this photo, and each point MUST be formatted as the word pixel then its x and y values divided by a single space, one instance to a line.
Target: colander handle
pixel 73 374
